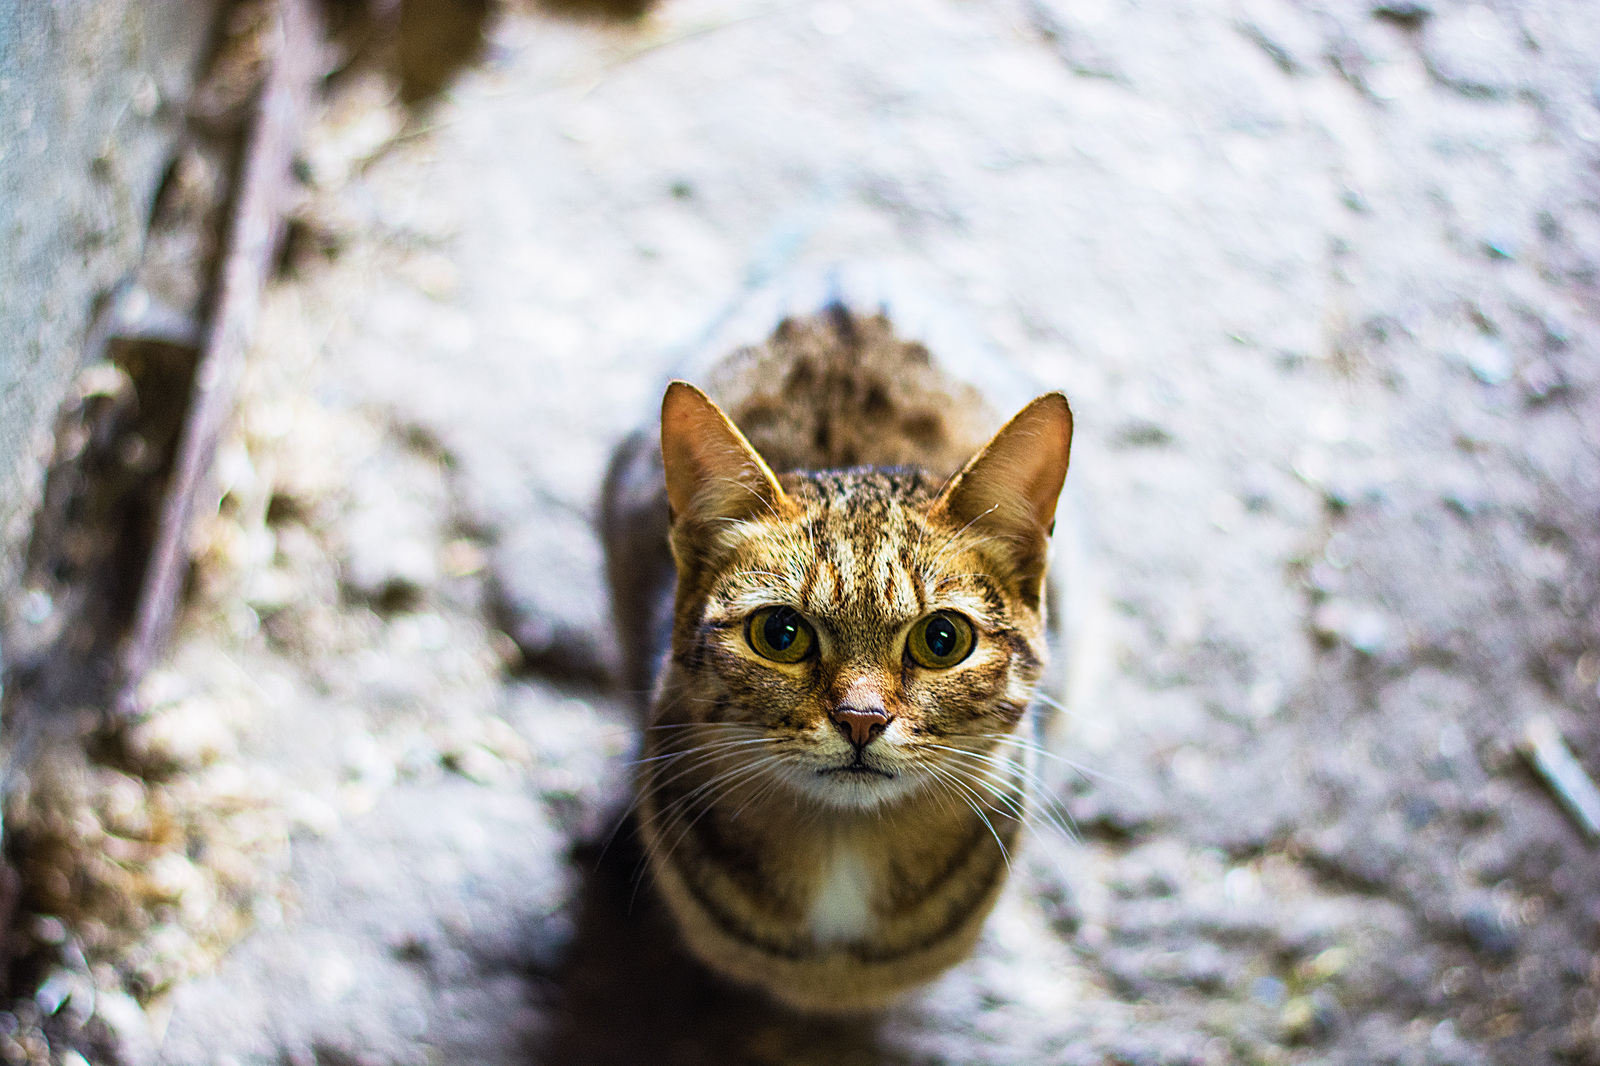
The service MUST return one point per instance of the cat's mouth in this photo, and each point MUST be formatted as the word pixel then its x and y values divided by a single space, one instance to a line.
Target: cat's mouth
pixel 857 767
pixel 858 784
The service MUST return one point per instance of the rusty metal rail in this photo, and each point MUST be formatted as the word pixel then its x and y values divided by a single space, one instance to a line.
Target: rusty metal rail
pixel 261 199
pixel 163 360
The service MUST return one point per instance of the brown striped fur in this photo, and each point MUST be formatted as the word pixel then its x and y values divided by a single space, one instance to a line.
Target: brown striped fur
pixel 854 482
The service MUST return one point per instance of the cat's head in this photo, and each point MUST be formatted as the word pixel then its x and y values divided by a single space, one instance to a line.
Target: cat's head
pixel 862 635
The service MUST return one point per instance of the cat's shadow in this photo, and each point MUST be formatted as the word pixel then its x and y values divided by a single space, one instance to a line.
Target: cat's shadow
pixel 628 995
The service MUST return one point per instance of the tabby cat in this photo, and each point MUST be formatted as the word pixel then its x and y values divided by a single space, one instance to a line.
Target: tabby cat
pixel 829 577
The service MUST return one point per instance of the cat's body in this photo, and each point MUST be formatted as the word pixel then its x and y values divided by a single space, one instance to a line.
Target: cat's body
pixel 839 643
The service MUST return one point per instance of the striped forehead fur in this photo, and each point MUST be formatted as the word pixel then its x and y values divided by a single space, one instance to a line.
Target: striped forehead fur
pixel 862 540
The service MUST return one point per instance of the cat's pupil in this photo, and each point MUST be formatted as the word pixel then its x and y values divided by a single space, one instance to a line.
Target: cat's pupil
pixel 781 629
pixel 941 636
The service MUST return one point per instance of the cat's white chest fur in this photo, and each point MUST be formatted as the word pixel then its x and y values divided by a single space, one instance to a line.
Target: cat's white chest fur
pixel 842 909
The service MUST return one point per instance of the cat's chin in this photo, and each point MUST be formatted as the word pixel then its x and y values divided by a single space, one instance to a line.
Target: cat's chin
pixel 854 788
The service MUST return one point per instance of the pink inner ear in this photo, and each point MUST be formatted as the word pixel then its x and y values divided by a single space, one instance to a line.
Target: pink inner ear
pixel 1012 485
pixel 711 470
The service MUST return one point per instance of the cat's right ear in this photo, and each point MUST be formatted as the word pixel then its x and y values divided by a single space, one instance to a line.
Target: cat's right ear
pixel 713 474
pixel 1007 493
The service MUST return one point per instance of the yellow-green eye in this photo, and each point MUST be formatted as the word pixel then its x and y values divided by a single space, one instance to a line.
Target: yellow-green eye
pixel 940 640
pixel 779 634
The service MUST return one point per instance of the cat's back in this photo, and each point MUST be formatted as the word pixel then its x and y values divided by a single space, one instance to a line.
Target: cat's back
pixel 839 388
pixel 856 365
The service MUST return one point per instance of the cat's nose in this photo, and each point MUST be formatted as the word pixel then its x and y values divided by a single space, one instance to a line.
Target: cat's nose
pixel 860 726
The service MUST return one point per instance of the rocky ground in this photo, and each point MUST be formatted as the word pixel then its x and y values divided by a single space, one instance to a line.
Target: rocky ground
pixel 1320 279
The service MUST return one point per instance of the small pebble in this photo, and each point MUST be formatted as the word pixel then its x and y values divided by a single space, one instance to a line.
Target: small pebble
pixel 1488 360
pixel 1298 1019
pixel 1324 966
pixel 50 930
pixel 1407 11
pixel 474 763
pixel 1466 500
pixel 1362 628
pixel 1419 813
pixel 1487 933
pixel 1367 632
pixel 1269 991
pixel 37 607
pixel 1541 380
pixel 55 991
pixel 1142 433
pixel 1500 247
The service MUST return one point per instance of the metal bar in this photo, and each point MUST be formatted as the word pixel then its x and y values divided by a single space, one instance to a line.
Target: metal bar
pixel 262 196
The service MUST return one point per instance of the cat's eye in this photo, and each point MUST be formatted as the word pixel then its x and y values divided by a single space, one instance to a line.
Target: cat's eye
pixel 940 640
pixel 779 634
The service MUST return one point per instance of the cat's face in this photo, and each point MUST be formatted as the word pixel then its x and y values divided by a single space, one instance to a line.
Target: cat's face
pixel 872 649
pixel 856 637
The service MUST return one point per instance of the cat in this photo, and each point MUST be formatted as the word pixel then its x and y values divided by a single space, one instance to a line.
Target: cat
pixel 828 576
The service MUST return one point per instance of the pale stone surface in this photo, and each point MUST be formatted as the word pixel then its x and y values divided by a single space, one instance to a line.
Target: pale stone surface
pixel 1320 282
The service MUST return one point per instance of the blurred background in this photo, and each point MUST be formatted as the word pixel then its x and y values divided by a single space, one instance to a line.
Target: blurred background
pixel 1319 277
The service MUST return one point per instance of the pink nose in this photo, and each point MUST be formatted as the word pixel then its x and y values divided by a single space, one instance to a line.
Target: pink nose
pixel 860 727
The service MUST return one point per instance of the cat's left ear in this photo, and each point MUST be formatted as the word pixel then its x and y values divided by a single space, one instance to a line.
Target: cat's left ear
pixel 1008 491
pixel 713 473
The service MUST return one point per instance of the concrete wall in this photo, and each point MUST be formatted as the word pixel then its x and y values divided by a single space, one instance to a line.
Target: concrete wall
pixel 91 96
